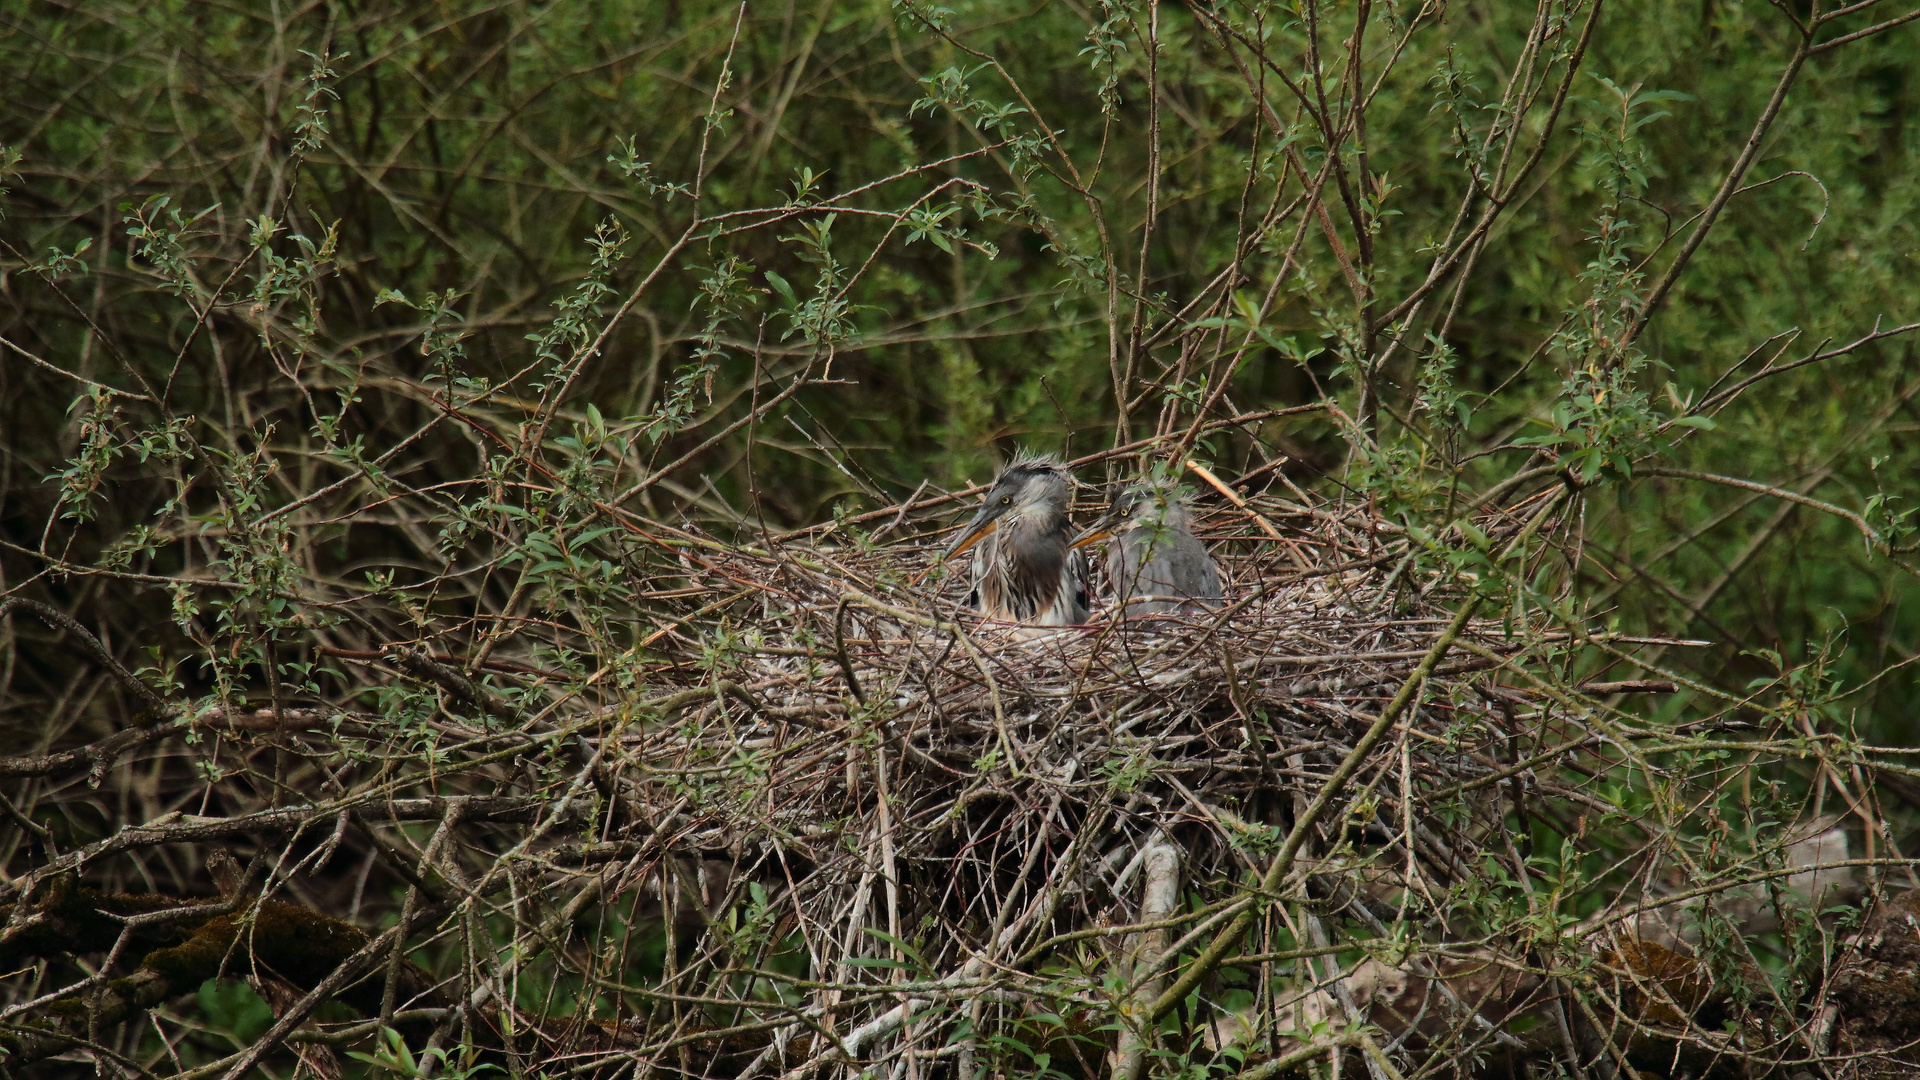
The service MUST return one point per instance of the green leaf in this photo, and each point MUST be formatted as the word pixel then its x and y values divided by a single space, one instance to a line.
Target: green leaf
pixel 785 290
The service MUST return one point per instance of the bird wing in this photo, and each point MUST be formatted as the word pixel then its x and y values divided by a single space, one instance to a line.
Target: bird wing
pixel 1176 566
pixel 1073 587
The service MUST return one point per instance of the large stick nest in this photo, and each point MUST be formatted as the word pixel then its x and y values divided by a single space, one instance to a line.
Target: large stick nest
pixel 1166 722
pixel 934 797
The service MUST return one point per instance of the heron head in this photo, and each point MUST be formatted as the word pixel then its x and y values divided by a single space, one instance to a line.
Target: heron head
pixel 1146 502
pixel 1029 487
pixel 1160 503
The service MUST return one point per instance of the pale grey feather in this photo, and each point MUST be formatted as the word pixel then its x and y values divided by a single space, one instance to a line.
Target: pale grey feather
pixel 1155 561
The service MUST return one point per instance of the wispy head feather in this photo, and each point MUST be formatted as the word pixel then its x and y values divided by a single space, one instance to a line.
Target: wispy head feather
pixel 1030 461
pixel 1035 476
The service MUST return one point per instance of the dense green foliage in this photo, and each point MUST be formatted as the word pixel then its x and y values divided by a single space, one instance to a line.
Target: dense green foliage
pixel 471 152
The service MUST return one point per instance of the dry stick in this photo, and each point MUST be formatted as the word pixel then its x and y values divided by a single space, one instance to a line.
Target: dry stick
pixel 1868 533
pixel 102 387
pixel 620 518
pixel 61 621
pixel 900 517
pixel 1313 194
pixel 1299 559
pixel 456 809
pixel 900 510
pixel 1444 264
pixel 1812 480
pixel 1152 214
pixel 1310 197
pixel 1728 186
pixel 99 756
pixel 1720 399
pixel 322 492
pixel 175 828
pixel 889 869
pixel 840 651
pixel 1002 934
pixel 1880 27
pixel 1081 186
pixel 1160 893
pixel 1282 864
pixel 800 382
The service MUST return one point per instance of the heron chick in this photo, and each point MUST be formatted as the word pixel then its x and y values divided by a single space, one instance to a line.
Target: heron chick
pixel 1025 567
pixel 1154 562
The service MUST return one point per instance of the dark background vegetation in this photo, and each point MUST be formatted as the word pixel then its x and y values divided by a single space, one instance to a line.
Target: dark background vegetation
pixel 463 154
pixel 468 151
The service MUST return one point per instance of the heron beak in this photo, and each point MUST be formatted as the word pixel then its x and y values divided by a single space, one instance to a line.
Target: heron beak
pixel 976 531
pixel 1094 533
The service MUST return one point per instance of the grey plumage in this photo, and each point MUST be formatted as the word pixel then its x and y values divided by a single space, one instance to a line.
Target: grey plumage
pixel 1025 568
pixel 1154 562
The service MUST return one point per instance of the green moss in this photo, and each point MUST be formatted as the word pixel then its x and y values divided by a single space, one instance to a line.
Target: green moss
pixel 288 941
pixel 114 999
pixel 67 919
pixel 293 943
pixel 197 959
pixel 68 1008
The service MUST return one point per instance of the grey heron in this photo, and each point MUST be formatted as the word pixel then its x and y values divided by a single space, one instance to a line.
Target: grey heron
pixel 1154 562
pixel 1025 567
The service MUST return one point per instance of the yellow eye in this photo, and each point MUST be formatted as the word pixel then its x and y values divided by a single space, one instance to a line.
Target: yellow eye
pixel 1006 500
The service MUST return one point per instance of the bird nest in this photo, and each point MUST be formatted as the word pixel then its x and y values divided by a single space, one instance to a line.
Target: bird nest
pixel 1171 722
pixel 971 827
